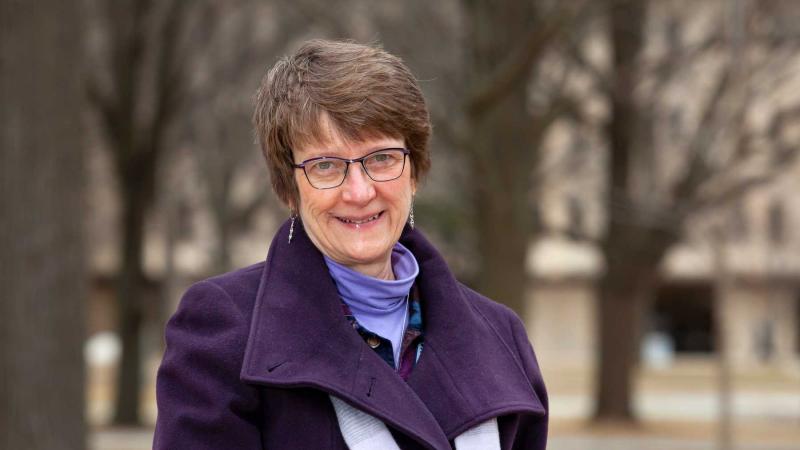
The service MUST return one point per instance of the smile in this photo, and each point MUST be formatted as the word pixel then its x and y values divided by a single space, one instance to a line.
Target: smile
pixel 359 221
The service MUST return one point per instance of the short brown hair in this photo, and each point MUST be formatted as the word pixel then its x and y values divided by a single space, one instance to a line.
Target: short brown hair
pixel 363 90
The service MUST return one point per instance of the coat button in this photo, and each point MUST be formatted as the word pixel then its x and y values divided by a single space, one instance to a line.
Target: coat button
pixel 373 341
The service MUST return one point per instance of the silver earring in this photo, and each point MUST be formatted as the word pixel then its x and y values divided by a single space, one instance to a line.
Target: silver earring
pixel 291 228
pixel 411 216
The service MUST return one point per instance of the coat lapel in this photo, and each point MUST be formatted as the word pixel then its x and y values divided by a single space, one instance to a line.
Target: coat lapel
pixel 299 337
pixel 467 373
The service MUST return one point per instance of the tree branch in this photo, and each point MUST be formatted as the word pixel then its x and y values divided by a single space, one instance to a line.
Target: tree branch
pixel 679 60
pixel 170 72
pixel 698 168
pixel 784 156
pixel 519 61
pixel 128 36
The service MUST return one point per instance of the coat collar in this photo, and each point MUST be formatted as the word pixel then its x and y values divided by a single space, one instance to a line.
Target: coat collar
pixel 300 338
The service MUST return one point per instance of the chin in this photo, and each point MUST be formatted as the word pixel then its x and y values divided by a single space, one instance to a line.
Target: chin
pixel 368 255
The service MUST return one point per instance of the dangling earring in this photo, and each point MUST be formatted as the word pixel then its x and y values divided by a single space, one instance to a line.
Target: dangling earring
pixel 291 226
pixel 411 215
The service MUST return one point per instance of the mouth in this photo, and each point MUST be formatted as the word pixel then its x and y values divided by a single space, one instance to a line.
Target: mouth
pixel 359 220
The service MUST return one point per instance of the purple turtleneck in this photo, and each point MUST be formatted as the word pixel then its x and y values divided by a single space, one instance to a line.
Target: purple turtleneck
pixel 380 306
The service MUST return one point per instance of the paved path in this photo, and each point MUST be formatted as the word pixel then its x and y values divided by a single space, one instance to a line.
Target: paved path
pixel 644 443
pixel 121 439
pixel 703 406
pixel 571 440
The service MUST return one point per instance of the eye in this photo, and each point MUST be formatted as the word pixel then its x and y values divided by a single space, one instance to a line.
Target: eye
pixel 385 159
pixel 323 165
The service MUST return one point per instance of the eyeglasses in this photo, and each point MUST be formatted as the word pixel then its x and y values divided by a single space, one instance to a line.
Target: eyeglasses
pixel 327 172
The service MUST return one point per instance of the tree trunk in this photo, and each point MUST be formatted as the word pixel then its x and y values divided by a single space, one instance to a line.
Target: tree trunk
pixel 42 209
pixel 131 294
pixel 620 318
pixel 632 253
pixel 623 295
pixel 502 152
pixel 633 256
pixel 502 212
pixel 147 70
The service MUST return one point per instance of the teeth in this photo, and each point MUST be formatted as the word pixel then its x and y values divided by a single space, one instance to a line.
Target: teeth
pixel 359 222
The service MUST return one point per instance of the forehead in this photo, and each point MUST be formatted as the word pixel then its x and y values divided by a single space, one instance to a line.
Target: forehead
pixel 329 140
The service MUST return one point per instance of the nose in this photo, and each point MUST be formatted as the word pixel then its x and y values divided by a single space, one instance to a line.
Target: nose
pixel 358 187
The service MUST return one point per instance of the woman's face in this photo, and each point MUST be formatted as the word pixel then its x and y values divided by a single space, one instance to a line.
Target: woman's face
pixel 357 223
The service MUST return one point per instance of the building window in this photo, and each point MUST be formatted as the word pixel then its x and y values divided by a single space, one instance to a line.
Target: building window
pixel 684 311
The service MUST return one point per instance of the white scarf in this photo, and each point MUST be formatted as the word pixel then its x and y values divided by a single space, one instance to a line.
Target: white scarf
pixel 362 431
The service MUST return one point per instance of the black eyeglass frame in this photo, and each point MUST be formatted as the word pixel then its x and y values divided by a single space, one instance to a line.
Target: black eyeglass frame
pixel 347 162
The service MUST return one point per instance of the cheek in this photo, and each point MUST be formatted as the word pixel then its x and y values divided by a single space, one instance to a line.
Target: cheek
pixel 400 199
pixel 406 194
pixel 315 202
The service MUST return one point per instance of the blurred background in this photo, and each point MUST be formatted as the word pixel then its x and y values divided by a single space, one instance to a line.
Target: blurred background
pixel 622 173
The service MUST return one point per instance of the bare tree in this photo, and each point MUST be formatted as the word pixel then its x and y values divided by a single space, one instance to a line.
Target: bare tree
pixel 219 126
pixel 502 135
pixel 42 208
pixel 630 275
pixel 138 93
pixel 660 176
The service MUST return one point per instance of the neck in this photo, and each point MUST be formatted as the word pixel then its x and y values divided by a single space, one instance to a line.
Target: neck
pixel 381 270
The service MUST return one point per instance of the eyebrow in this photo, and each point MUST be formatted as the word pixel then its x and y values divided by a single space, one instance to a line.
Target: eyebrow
pixel 337 153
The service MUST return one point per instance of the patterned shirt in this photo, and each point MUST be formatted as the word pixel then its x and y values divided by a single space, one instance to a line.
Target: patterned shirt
pixel 413 338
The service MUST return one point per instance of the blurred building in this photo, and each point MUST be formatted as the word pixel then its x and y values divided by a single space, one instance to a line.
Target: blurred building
pixel 750 265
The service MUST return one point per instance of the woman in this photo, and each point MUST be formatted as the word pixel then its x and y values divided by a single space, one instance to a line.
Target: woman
pixel 353 333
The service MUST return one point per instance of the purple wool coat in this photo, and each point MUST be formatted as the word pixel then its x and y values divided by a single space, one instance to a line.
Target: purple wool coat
pixel 253 355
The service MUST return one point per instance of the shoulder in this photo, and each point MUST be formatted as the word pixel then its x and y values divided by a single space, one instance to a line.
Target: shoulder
pixel 501 317
pixel 238 283
pixel 511 330
pixel 218 309
pixel 212 323
pixel 233 291
pixel 506 324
